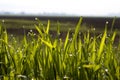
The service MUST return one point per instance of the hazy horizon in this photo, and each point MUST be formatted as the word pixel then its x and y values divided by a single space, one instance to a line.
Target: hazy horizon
pixel 70 7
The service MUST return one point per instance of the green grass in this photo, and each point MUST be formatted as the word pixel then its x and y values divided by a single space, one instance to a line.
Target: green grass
pixel 41 57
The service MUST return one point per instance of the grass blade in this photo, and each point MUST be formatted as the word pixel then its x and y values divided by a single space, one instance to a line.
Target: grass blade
pixel 113 22
pixel 48 26
pixel 77 29
pixel 74 41
pixel 66 40
pixel 113 37
pixel 39 30
pixel 46 43
pixel 102 44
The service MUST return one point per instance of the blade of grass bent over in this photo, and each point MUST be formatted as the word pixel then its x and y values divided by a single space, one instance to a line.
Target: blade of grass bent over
pixel 46 43
pixel 39 30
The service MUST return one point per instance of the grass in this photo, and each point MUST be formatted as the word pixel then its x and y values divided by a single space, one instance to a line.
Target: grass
pixel 41 57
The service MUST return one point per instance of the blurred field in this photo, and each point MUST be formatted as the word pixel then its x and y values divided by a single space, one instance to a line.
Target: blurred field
pixel 17 24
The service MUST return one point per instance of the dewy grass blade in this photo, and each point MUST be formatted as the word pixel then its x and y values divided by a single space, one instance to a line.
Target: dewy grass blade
pixel 5 36
pixel 113 37
pixel 74 41
pixel 25 41
pixel 77 28
pixel 80 49
pixel 93 57
pixel 113 22
pixel 58 28
pixel 102 44
pixel 39 30
pixel 48 26
pixel 66 40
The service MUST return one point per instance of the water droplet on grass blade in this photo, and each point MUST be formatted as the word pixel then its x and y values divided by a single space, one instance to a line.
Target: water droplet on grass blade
pixel 79 33
pixel 109 35
pixel 36 19
pixel 106 70
pixel 11 35
pixel 92 38
pixel 107 22
pixel 65 77
pixel 70 39
pixel 1 62
pixel 17 51
pixel 93 29
pixel 31 30
pixel 34 34
pixel 3 20
pixel 9 46
pixel 15 41
pixel 22 76
pixel 79 68
pixel 70 55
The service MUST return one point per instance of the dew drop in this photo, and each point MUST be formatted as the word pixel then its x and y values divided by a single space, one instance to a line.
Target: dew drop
pixel 70 39
pixel 79 68
pixel 70 55
pixel 31 30
pixel 11 35
pixel 36 19
pixel 22 76
pixel 94 29
pixel 34 34
pixel 106 70
pixel 65 77
pixel 107 22
pixel 3 20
